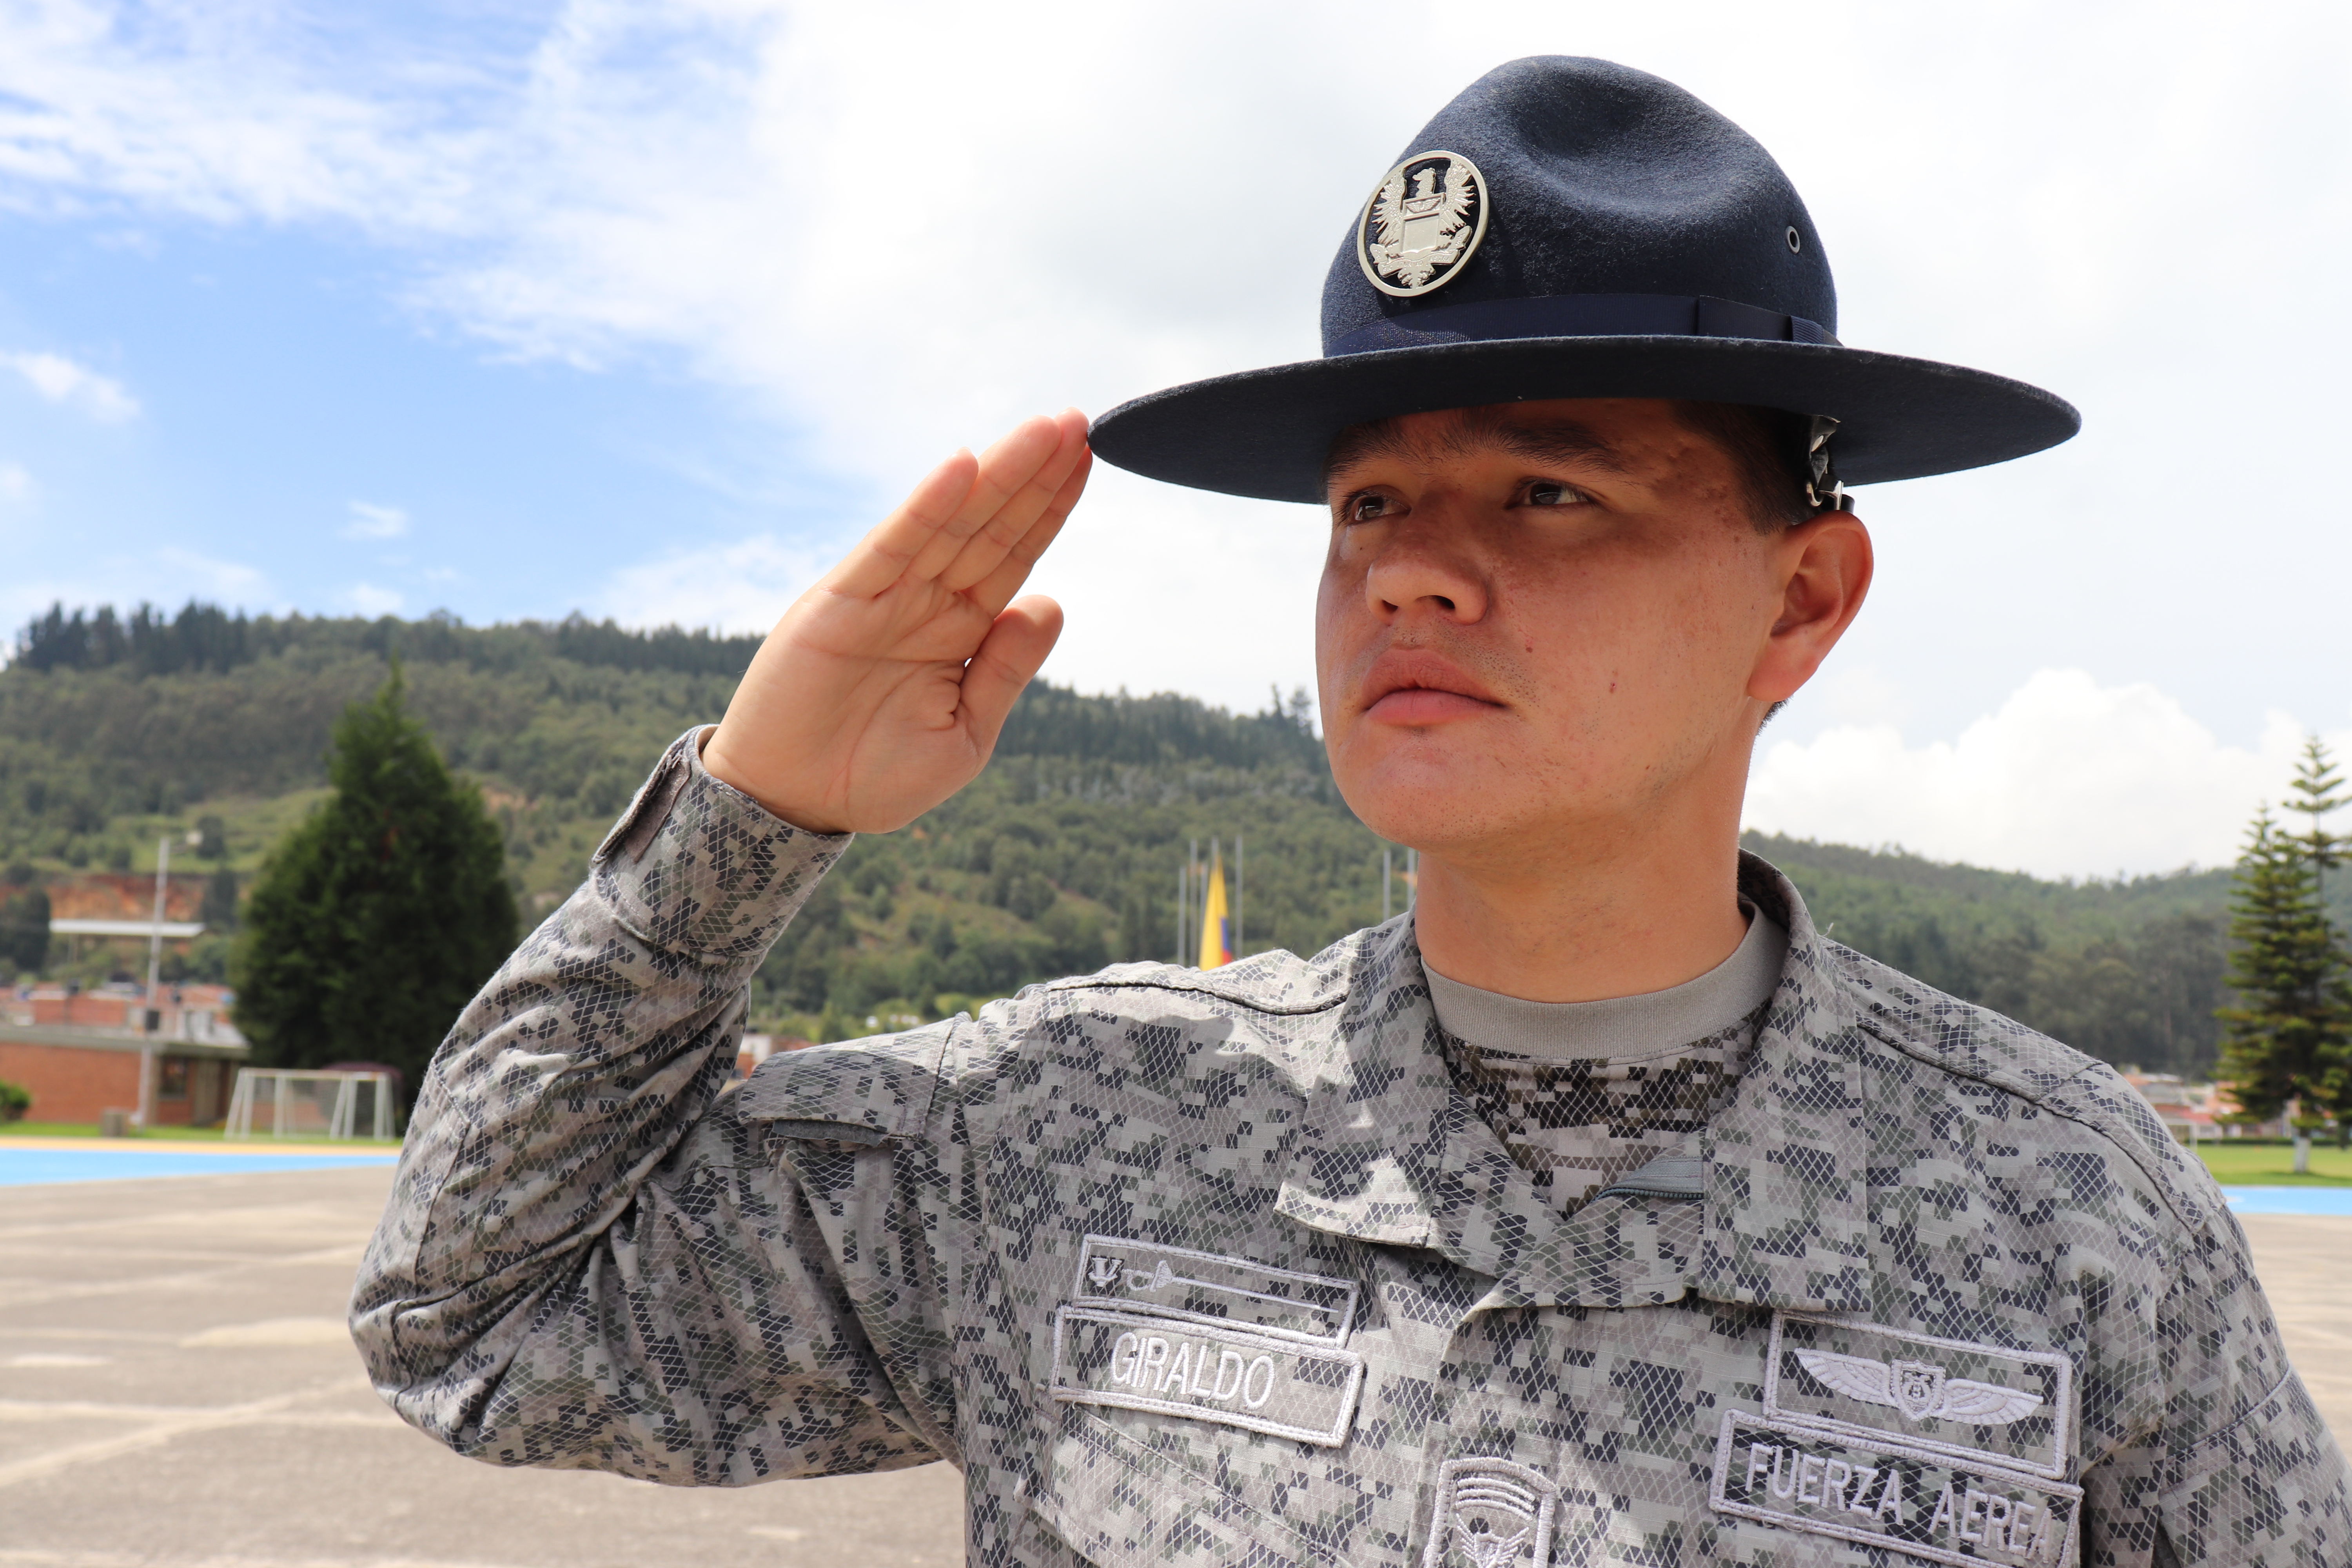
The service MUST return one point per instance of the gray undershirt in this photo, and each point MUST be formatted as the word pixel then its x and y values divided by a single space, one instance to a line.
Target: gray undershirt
pixel 1622 1026
pixel 1582 1092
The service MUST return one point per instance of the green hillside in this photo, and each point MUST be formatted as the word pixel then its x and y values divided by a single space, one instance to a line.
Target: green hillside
pixel 2129 970
pixel 1062 857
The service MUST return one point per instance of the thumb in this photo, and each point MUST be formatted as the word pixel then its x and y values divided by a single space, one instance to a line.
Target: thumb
pixel 1008 658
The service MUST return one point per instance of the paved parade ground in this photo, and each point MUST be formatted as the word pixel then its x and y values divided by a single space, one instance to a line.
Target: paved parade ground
pixel 176 1388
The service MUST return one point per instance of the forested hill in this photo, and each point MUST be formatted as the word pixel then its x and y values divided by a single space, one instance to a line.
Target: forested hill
pixel 1064 855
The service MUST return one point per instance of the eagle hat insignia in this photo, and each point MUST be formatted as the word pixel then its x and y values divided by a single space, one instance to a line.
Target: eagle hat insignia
pixel 1102 1272
pixel 1921 1390
pixel 1422 224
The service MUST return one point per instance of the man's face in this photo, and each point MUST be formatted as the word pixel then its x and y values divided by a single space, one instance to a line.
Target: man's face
pixel 1543 621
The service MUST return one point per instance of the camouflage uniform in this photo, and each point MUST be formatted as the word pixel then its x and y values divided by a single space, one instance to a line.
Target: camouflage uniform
pixel 1191 1268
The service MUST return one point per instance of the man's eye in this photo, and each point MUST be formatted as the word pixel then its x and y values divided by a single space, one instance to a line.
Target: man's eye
pixel 1546 492
pixel 1364 509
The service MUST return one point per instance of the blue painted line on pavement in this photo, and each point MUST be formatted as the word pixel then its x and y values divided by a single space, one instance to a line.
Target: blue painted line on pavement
pixel 28 1167
pixel 2290 1200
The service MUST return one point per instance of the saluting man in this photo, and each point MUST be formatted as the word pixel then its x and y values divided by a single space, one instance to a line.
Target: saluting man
pixel 1598 1210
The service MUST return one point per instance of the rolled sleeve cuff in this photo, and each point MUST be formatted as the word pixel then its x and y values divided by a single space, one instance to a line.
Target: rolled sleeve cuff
pixel 697 866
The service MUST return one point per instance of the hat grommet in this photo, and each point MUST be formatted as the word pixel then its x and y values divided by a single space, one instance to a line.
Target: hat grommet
pixel 1796 240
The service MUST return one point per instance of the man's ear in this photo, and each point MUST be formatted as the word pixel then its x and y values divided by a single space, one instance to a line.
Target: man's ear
pixel 1824 567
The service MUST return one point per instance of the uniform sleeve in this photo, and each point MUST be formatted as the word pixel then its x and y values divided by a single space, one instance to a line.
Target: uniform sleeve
pixel 2243 1471
pixel 592 1259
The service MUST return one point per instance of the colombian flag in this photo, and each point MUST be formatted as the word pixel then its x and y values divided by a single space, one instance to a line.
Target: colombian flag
pixel 1217 930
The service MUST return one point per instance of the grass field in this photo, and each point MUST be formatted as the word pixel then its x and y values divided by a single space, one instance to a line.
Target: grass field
pixel 2271 1166
pixel 183 1135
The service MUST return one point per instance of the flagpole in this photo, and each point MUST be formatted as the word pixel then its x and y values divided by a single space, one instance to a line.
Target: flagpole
pixel 1386 886
pixel 1241 894
pixel 1191 912
pixel 1179 914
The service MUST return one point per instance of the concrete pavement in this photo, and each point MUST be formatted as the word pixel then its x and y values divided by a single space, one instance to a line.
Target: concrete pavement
pixel 176 1388
pixel 2306 1263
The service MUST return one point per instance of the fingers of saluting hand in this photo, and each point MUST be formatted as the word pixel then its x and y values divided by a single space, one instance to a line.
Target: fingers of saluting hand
pixel 1011 495
pixel 951 510
pixel 993 592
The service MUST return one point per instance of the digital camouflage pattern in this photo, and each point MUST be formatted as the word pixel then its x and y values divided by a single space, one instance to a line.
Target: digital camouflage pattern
pixel 1950 1293
pixel 1576 1126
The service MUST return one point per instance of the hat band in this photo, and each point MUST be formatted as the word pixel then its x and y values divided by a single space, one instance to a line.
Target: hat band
pixel 1580 316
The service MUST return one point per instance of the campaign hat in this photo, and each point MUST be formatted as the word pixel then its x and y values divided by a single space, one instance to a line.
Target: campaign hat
pixel 1573 228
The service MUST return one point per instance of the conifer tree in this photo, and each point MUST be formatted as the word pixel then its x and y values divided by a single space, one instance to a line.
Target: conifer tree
pixel 2289 1035
pixel 379 916
pixel 2316 790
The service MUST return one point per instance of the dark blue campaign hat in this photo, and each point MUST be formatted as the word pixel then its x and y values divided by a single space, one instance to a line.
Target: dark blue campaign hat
pixel 1573 228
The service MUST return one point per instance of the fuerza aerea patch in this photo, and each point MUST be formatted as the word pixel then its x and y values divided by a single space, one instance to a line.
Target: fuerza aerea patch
pixel 1929 1505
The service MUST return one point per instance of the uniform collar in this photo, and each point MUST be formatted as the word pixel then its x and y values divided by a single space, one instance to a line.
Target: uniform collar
pixel 1388 1152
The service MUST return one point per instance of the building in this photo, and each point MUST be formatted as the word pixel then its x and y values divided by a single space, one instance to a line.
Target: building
pixel 2193 1112
pixel 83 1054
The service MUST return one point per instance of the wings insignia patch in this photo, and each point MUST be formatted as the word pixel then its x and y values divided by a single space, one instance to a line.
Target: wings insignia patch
pixel 1920 1390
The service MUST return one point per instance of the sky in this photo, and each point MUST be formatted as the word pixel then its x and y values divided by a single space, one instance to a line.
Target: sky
pixel 514 308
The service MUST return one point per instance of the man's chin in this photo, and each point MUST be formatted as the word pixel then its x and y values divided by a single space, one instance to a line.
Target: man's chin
pixel 1436 815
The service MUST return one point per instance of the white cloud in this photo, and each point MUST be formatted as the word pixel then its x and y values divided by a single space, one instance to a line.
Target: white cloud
pixel 739 587
pixel 368 521
pixel 370 600
pixel 2067 778
pixel 76 386
pixel 896 228
pixel 16 484
pixel 204 576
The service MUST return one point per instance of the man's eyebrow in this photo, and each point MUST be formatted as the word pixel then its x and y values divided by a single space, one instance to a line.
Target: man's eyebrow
pixel 1362 443
pixel 1547 441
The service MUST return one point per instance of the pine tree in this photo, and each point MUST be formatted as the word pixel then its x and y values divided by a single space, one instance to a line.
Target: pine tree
pixel 379 916
pixel 2316 790
pixel 2289 1035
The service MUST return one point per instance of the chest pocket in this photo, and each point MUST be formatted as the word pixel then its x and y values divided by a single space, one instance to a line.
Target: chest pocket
pixel 1116 1501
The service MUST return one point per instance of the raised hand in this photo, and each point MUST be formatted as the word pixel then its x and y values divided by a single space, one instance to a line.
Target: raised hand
pixel 881 691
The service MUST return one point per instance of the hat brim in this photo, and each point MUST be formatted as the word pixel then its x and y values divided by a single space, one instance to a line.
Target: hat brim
pixel 1264 433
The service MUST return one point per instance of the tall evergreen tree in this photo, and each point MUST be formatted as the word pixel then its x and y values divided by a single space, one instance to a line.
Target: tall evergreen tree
pixel 2317 790
pixel 382 912
pixel 2289 1035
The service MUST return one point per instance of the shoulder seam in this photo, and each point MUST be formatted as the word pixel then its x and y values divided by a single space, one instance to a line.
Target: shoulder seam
pixel 2041 1099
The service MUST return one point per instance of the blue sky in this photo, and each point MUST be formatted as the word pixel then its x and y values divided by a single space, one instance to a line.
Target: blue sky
pixel 302 440
pixel 645 310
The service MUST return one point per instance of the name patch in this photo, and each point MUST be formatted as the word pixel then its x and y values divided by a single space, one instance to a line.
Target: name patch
pixel 1876 1493
pixel 1279 1384
pixel 1202 1286
pixel 1973 1402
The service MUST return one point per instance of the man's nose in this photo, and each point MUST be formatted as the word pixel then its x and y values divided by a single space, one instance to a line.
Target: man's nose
pixel 1422 567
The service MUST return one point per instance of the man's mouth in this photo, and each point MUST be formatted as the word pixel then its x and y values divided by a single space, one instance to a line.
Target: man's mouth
pixel 1414 687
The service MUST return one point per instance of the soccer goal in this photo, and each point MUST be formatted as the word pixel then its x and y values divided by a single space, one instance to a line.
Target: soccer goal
pixel 307 1101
